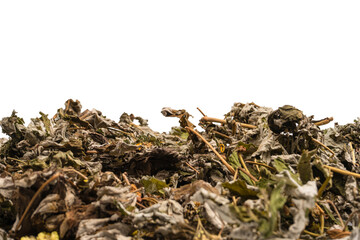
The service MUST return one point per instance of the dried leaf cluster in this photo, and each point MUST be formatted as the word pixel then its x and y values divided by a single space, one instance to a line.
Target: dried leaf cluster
pixel 257 173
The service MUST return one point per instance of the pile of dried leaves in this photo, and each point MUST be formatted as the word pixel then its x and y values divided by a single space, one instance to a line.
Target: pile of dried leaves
pixel 256 174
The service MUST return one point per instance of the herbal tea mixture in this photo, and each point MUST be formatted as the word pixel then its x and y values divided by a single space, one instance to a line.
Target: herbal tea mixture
pixel 256 173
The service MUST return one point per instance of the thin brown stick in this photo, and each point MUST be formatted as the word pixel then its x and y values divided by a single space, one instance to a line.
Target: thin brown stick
pixel 125 179
pixel 75 171
pixel 234 200
pixel 137 190
pixel 236 174
pixel 201 112
pixel 352 153
pixel 221 134
pixel 257 166
pixel 261 164
pixel 230 168
pixel 140 205
pixel 324 121
pixel 114 176
pixel 344 172
pixel 55 176
pixel 243 163
pixel 192 167
pixel 320 143
pixel 150 199
pixel 245 125
pixel 337 212
pixel 324 185
pixel 248 174
pixel 322 224
pixel 349 219
pixel 311 233
pixel 319 208
pixel 211 119
pixel 91 151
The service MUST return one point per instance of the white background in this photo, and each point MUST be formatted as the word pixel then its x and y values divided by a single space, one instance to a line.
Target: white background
pixel 139 56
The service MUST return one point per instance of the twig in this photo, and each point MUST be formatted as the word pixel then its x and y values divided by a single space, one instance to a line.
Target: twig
pixel 320 143
pixel 248 174
pixel 312 234
pixel 230 168
pixel 192 168
pixel 139 204
pixel 210 119
pixel 55 176
pixel 243 163
pixel 221 134
pixel 324 185
pixel 244 166
pixel 234 200
pixel 150 199
pixel 344 172
pixel 352 153
pixel 75 171
pixel 137 190
pixel 91 151
pixel 322 223
pixel 115 177
pixel 337 212
pixel 261 164
pixel 236 174
pixel 245 125
pixel 349 218
pixel 125 179
pixel 257 166
pixel 201 112
pixel 319 208
pixel 324 121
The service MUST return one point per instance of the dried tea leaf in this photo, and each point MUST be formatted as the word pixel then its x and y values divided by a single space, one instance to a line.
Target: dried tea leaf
pixel 280 166
pixel 276 202
pixel 240 188
pixel 153 185
pixel 304 166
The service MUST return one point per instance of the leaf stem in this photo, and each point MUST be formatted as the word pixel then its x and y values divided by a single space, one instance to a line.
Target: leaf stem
pixel 55 176
pixel 230 168
pixel 344 172
pixel 324 121
pixel 211 119
pixel 327 148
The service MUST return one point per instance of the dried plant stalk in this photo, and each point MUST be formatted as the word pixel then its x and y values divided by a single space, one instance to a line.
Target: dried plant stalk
pixel 211 119
pixel 55 176
pixel 230 168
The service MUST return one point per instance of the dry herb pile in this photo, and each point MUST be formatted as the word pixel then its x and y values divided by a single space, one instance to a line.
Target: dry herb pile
pixel 255 174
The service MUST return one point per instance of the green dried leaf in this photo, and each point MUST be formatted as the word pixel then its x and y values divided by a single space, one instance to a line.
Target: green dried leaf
pixel 234 161
pixel 277 201
pixel 44 118
pixel 153 185
pixel 240 188
pixel 304 166
pixel 181 132
pixel 280 166
pixel 67 159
